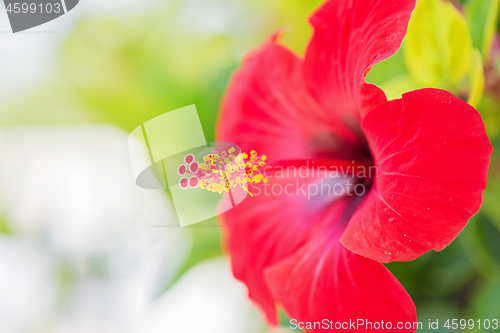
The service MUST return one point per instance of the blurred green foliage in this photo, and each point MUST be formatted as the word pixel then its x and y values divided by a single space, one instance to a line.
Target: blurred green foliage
pixel 129 70
pixel 438 52
pixel 438 45
pixel 482 17
pixel 5 228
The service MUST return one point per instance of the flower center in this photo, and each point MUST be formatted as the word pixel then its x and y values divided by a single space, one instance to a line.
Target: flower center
pixel 324 181
pixel 346 162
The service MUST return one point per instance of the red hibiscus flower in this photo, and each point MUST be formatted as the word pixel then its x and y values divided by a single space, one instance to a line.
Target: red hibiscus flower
pixel 320 256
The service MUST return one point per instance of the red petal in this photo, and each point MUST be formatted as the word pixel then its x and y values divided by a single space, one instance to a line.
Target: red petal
pixel 432 155
pixel 262 231
pixel 267 108
pixel 349 37
pixel 324 280
pixel 371 96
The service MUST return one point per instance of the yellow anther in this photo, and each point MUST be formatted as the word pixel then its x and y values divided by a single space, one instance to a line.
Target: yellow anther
pixel 264 157
pixel 229 170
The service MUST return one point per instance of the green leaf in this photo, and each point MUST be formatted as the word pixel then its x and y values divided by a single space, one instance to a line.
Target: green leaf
pixel 491 117
pixel 397 86
pixel 491 199
pixel 484 304
pixel 476 80
pixel 490 238
pixel 388 69
pixel 438 45
pixel 475 247
pixel 482 16
pixel 436 311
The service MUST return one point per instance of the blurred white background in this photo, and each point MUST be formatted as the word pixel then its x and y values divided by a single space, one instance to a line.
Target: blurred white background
pixel 79 253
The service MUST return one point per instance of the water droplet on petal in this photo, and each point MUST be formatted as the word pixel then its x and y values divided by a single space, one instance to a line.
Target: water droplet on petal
pixel 391 37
